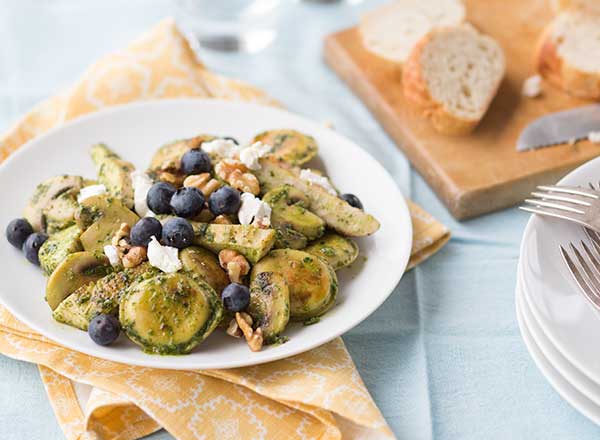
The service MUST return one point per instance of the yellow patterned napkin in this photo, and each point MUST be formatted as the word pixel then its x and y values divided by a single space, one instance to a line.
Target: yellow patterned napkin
pixel 318 394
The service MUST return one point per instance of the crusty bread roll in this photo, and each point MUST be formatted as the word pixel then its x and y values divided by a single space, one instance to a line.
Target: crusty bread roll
pixel 590 6
pixel 452 75
pixel 568 54
pixel 392 30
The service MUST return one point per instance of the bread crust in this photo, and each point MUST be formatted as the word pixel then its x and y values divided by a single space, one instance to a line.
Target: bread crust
pixel 561 74
pixel 417 93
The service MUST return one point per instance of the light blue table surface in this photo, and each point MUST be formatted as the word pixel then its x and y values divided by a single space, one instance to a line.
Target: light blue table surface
pixel 442 357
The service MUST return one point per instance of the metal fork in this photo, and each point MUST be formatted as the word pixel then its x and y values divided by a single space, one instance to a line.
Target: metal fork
pixel 585 267
pixel 575 204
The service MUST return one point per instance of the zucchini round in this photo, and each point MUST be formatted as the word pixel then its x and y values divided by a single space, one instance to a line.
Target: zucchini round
pixel 312 283
pixel 336 250
pixel 203 264
pixel 269 305
pixel 289 146
pixel 169 313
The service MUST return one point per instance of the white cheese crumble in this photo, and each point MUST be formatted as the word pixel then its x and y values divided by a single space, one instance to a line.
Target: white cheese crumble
pixel 165 258
pixel 532 87
pixel 141 185
pixel 254 211
pixel 90 191
pixel 112 255
pixel 317 179
pixel 249 155
pixel 224 148
pixel 594 137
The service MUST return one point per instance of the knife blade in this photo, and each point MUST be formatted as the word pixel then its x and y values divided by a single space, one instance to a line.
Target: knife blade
pixel 560 128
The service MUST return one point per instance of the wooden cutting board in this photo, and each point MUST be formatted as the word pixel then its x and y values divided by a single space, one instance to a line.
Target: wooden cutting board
pixel 481 172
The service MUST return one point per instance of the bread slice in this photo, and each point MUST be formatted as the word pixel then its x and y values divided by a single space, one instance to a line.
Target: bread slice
pixel 568 54
pixel 452 75
pixel 392 30
pixel 590 6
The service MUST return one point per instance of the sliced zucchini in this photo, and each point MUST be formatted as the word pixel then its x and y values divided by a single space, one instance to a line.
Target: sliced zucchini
pixel 288 238
pixel 338 214
pixel 169 313
pixel 58 246
pixel 250 241
pixel 45 193
pixel 168 157
pixel 101 297
pixel 76 270
pixel 311 281
pixel 202 264
pixel 336 250
pixel 290 210
pixel 289 146
pixel 60 213
pixel 269 305
pixel 114 173
pixel 102 216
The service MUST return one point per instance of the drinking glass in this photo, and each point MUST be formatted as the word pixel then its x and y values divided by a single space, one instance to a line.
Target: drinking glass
pixel 230 25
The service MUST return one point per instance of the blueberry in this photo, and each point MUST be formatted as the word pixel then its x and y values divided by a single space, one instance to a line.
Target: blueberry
pixel 32 246
pixel 104 329
pixel 17 232
pixel 352 200
pixel 187 202
pixel 195 161
pixel 178 232
pixel 143 230
pixel 159 197
pixel 225 200
pixel 236 297
pixel 232 139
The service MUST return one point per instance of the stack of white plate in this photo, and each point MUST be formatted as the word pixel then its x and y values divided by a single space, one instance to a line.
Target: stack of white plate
pixel 560 328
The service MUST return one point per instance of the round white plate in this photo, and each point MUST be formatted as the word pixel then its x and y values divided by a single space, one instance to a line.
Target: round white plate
pixel 560 384
pixel 576 378
pixel 135 131
pixel 561 311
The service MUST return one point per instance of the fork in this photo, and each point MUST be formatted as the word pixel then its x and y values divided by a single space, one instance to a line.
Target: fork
pixel 586 271
pixel 575 204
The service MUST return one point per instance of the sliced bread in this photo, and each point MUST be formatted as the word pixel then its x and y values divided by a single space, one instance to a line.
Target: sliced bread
pixel 392 30
pixel 452 75
pixel 568 54
pixel 590 6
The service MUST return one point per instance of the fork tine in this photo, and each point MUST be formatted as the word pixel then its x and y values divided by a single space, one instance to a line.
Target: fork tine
pixel 569 190
pixel 591 277
pixel 593 260
pixel 587 291
pixel 556 205
pixel 574 199
pixel 593 235
pixel 576 218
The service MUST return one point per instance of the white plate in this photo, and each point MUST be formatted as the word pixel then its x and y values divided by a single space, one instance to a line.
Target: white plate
pixel 561 384
pixel 560 310
pixel 135 131
pixel 576 378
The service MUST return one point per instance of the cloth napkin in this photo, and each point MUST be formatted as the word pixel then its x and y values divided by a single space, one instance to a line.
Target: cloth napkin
pixel 318 394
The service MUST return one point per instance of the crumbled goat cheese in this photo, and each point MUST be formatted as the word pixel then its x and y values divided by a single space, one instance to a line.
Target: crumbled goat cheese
pixel 594 137
pixel 254 211
pixel 532 87
pixel 317 179
pixel 249 155
pixel 165 258
pixel 90 191
pixel 112 255
pixel 141 185
pixel 224 148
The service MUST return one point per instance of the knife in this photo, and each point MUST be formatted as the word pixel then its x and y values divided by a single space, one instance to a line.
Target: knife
pixel 560 128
